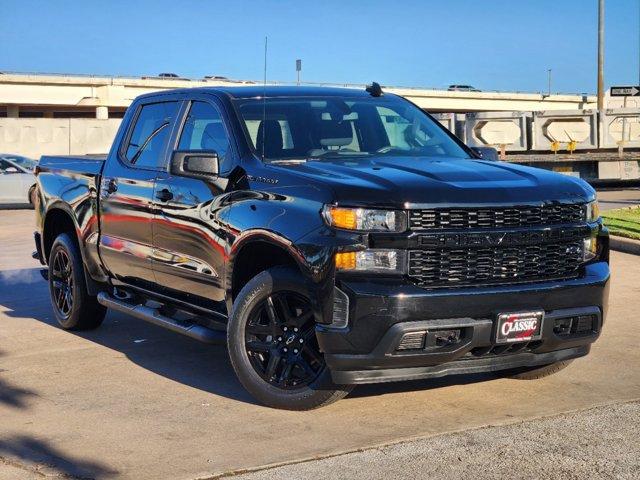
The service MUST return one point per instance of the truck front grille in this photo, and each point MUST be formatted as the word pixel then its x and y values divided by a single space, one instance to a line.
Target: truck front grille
pixel 495 265
pixel 512 217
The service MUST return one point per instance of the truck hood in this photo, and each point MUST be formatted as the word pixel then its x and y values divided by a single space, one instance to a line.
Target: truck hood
pixel 401 182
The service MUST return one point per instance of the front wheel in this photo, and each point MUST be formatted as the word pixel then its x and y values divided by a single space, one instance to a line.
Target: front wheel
pixel 273 347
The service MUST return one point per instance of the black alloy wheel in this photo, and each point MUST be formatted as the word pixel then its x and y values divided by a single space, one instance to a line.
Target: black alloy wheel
pixel 281 343
pixel 62 282
pixel 273 345
pixel 73 307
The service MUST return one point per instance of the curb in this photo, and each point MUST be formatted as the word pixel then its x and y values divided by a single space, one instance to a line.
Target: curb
pixel 623 244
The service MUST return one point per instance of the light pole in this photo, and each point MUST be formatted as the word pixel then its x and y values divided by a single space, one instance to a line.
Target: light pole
pixel 549 81
pixel 600 54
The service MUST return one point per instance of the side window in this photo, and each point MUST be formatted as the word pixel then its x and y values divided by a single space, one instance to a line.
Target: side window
pixel 150 134
pixel 204 130
pixel 6 167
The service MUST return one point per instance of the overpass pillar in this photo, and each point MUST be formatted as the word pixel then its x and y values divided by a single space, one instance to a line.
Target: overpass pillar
pixel 102 112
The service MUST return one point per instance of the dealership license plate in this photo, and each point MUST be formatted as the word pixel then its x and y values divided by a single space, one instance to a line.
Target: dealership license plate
pixel 519 327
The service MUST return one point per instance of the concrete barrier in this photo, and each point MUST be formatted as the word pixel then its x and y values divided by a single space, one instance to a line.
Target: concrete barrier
pixel 620 126
pixel 565 126
pixel 454 122
pixel 498 129
pixel 89 136
pixel 619 170
pixel 35 137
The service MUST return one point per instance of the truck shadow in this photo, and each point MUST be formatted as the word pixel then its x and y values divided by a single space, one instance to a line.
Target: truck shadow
pixel 11 395
pixel 43 459
pixel 166 353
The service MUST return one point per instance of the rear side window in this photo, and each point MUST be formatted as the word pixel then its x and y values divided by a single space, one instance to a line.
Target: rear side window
pixel 204 130
pixel 150 134
pixel 4 166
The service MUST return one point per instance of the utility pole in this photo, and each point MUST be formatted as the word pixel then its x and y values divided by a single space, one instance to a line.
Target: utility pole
pixel 298 69
pixel 549 79
pixel 600 54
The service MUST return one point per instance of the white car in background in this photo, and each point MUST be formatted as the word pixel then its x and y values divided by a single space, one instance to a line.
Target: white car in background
pixel 17 180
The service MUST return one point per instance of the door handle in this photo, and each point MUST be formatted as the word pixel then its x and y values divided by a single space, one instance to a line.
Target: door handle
pixel 164 195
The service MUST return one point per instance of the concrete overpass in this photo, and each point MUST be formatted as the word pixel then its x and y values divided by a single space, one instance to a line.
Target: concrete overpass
pixel 70 96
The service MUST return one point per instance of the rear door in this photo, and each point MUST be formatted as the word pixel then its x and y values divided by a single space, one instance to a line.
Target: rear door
pixel 188 233
pixel 127 192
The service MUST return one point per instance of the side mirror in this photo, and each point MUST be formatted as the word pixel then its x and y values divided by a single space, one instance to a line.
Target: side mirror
pixel 195 163
pixel 486 153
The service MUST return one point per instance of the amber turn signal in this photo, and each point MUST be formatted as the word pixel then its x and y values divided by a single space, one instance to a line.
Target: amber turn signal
pixel 346 260
pixel 343 217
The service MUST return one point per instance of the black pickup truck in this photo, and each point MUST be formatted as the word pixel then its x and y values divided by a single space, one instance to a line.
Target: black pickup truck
pixel 330 237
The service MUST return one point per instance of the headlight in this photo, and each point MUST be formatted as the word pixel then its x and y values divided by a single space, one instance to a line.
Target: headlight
pixel 590 248
pixel 366 219
pixel 592 211
pixel 372 260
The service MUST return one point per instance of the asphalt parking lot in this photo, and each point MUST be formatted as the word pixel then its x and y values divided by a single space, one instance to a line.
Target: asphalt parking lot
pixel 131 400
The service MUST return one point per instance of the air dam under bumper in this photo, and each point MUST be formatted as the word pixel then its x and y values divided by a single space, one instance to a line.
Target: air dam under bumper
pixel 381 315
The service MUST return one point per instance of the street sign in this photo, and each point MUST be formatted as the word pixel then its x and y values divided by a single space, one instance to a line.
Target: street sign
pixel 633 91
pixel 298 65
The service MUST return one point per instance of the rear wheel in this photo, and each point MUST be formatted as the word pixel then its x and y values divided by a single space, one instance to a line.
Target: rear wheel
pixel 73 307
pixel 273 346
pixel 535 373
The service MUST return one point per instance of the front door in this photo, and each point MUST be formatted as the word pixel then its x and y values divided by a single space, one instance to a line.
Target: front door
pixel 127 194
pixel 187 232
pixel 12 188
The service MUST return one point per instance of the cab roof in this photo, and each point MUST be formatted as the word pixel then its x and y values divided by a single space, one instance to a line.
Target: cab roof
pixel 257 91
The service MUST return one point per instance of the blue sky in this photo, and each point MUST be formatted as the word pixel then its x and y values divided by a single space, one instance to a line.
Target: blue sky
pixel 491 44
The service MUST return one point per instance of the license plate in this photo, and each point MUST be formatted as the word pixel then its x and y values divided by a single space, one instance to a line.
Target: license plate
pixel 519 327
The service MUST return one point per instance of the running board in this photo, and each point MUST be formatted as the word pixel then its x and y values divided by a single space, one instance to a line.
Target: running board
pixel 152 315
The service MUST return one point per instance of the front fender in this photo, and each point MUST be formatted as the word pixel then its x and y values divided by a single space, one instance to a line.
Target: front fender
pixel 296 226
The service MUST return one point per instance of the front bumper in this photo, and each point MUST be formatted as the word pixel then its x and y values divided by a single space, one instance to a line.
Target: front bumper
pixel 382 312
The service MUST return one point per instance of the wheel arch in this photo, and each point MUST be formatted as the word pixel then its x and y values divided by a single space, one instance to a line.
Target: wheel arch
pixel 255 252
pixel 59 219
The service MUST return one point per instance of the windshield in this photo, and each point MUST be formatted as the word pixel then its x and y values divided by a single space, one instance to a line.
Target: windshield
pixel 326 127
pixel 24 162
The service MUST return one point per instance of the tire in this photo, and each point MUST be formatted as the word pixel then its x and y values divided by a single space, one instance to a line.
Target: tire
pixel 262 337
pixel 73 307
pixel 536 373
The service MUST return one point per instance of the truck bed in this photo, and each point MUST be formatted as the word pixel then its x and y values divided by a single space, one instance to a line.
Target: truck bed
pixel 83 164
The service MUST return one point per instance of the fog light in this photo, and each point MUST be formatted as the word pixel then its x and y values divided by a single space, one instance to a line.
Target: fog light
pixel 443 338
pixel 562 326
pixel 447 337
